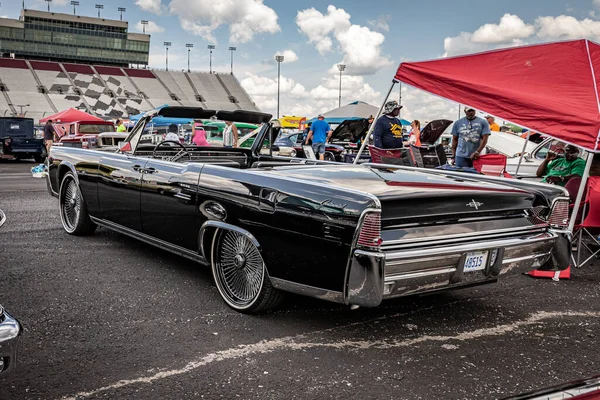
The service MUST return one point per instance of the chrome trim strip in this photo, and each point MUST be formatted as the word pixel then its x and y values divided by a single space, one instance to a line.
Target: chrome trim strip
pixel 470 247
pixel 525 258
pixel 364 281
pixel 305 290
pixel 151 240
pixel 2 218
pixel 420 274
pixel 483 235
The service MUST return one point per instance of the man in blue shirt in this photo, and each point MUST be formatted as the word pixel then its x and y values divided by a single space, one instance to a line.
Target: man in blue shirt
pixel 320 132
pixel 387 133
pixel 470 138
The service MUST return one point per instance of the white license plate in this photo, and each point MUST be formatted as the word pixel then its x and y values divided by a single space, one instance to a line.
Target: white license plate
pixel 475 261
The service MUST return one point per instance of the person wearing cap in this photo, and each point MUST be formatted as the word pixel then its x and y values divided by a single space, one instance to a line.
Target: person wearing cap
pixel 387 133
pixel 470 138
pixel 494 127
pixel 319 132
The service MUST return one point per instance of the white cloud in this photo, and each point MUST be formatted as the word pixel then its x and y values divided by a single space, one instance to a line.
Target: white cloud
pixel 153 6
pixel 288 56
pixel 567 27
pixel 246 18
pixel 150 28
pixel 596 3
pixel 360 46
pixel 425 107
pixel 381 23
pixel 297 100
pixel 513 31
pixel 511 27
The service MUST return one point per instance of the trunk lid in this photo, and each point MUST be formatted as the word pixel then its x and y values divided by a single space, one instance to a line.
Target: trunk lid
pixel 409 194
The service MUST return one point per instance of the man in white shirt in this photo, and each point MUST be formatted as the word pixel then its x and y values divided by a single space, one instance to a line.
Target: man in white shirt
pixel 172 134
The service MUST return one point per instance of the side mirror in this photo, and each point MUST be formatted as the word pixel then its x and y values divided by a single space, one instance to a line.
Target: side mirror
pixel 528 157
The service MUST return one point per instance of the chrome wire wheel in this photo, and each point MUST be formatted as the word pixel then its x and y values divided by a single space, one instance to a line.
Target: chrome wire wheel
pixel 238 268
pixel 70 205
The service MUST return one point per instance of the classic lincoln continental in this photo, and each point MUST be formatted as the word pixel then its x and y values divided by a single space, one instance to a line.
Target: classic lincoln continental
pixel 352 234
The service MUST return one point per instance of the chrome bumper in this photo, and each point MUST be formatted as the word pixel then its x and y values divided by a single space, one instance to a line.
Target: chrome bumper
pixel 10 330
pixel 375 276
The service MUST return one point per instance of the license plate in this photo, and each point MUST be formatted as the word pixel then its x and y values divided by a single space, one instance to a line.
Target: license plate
pixel 475 261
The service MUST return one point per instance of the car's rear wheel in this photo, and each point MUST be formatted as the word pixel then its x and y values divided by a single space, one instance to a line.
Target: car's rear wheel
pixel 73 211
pixel 240 273
pixel 328 156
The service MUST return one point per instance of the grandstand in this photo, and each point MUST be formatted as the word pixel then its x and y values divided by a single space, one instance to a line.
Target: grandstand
pixel 44 87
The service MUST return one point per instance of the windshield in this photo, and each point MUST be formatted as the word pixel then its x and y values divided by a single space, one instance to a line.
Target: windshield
pixel 95 128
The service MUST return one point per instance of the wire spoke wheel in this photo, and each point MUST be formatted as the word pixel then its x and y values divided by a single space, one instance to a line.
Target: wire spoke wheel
pixel 239 269
pixel 70 206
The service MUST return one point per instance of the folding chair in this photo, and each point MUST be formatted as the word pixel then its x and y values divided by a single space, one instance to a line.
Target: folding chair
pixel 590 221
pixel 492 164
pixel 380 155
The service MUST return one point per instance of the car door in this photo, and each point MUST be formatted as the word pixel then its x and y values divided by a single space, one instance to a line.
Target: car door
pixel 119 185
pixel 168 202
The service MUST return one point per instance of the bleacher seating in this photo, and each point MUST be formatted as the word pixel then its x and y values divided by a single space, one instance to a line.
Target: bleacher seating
pixel 110 91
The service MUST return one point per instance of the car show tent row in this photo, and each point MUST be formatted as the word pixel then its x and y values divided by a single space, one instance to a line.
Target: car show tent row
pixel 528 85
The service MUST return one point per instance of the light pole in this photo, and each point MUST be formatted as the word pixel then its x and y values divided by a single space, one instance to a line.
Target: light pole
pixel 167 44
pixel 341 67
pixel 21 106
pixel 189 47
pixel 122 10
pixel 210 47
pixel 232 49
pixel 279 60
pixel 49 1
pixel 99 7
pixel 74 4
pixel 144 23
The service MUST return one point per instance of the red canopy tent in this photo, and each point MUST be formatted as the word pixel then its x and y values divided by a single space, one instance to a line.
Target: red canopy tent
pixel 71 115
pixel 550 88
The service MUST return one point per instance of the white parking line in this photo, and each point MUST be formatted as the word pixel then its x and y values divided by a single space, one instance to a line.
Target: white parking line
pixel 295 343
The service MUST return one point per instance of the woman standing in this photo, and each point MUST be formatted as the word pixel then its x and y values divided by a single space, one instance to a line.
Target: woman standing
pixel 230 135
pixel 199 135
pixel 415 133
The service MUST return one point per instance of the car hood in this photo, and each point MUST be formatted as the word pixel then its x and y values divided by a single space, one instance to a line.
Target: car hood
pixel 508 144
pixel 351 130
pixel 433 130
pixel 408 193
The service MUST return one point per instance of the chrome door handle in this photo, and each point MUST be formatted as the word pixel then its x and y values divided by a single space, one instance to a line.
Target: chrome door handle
pixel 150 170
pixel 137 168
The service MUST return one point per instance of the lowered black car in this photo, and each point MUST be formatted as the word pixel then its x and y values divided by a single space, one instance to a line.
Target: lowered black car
pixel 369 232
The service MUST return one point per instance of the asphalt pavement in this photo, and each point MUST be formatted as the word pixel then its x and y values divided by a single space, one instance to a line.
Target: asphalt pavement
pixel 106 316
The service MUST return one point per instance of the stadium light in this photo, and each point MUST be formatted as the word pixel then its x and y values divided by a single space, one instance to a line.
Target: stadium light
pixel 210 47
pixel 99 7
pixel 232 49
pixel 342 68
pixel 189 47
pixel 21 106
pixel 279 60
pixel 167 44
pixel 74 4
pixel 144 23
pixel 49 1
pixel 122 10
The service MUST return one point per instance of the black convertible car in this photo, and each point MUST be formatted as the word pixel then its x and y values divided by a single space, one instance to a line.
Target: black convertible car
pixel 352 234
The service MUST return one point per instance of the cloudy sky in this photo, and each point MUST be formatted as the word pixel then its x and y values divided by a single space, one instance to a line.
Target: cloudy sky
pixel 370 37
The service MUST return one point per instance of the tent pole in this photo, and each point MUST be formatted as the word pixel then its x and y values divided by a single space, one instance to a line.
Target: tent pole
pixel 364 144
pixel 522 153
pixel 582 188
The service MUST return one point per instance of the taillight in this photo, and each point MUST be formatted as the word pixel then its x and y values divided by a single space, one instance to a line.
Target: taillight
pixel 370 230
pixel 559 215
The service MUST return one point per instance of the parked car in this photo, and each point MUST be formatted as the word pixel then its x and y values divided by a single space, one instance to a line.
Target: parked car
pixel 18 140
pixel 10 332
pixel 374 232
pixel 287 144
pixel 82 134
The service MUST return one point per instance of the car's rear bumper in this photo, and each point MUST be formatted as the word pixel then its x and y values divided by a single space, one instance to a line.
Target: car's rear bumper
pixel 375 276
pixel 10 330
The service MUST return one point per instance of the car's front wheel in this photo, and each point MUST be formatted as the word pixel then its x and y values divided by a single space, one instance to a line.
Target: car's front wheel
pixel 73 211
pixel 240 273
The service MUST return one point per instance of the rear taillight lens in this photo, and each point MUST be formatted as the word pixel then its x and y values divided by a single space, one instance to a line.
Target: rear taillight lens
pixel 559 215
pixel 370 230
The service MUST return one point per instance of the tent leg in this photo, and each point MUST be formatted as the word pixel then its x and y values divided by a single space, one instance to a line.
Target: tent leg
pixel 522 154
pixel 364 144
pixel 583 185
